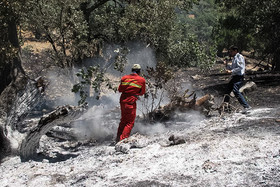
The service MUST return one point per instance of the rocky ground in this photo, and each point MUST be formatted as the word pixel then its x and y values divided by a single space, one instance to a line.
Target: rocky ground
pixel 231 149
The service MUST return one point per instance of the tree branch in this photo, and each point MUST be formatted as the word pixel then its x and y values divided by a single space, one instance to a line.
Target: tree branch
pixel 96 5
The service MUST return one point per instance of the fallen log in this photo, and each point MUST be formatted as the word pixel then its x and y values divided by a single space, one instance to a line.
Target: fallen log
pixel 250 74
pixel 61 115
pixel 202 100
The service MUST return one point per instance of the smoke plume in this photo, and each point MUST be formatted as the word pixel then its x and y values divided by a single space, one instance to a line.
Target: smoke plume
pixel 102 120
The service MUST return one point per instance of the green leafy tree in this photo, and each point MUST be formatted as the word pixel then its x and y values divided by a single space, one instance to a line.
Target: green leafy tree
pixel 61 23
pixel 201 20
pixel 193 35
pixel 10 61
pixel 152 22
pixel 230 30
pixel 79 29
pixel 252 25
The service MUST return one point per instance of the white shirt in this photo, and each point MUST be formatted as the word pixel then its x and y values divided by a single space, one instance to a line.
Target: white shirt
pixel 238 65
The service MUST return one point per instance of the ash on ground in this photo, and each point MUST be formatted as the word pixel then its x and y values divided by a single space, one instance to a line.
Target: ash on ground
pixel 235 150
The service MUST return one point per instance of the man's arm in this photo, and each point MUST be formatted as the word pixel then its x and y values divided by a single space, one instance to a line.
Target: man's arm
pixel 121 89
pixel 143 89
pixel 227 66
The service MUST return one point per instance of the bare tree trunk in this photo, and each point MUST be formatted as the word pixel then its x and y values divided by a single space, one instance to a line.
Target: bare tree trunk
pixel 13 85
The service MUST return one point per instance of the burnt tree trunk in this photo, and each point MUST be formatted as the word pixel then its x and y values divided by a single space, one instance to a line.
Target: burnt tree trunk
pixel 62 115
pixel 12 86
pixel 11 68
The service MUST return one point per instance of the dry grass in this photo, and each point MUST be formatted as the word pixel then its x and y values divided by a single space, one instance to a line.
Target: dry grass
pixel 37 47
pixel 30 41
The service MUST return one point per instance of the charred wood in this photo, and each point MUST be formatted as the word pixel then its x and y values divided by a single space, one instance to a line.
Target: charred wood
pixel 4 144
pixel 61 115
pixel 176 140
pixel 181 104
pixel 25 101
pixel 16 101
pixel 62 133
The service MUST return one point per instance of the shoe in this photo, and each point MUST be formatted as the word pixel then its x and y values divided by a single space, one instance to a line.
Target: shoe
pixel 246 110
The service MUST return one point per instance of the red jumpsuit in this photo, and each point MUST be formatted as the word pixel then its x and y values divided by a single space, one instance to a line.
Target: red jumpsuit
pixel 131 86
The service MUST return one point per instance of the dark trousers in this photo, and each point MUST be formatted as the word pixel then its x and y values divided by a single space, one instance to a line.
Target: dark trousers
pixel 234 85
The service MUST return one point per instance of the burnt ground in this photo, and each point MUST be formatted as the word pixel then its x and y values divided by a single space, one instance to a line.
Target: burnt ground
pixel 233 150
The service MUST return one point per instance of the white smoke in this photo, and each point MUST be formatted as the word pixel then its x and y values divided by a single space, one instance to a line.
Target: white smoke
pixel 140 54
pixel 98 124
pixel 179 121
pixel 102 120
pixel 59 85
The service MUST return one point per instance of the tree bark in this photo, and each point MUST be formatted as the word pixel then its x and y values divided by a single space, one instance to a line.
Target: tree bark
pixel 13 83
pixel 62 115
pixel 13 68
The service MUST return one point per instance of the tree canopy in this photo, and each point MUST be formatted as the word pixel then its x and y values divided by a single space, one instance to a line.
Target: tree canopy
pixel 79 29
pixel 252 25
pixel 180 31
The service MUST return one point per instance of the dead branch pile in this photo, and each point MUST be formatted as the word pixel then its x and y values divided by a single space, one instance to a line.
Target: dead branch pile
pixel 182 103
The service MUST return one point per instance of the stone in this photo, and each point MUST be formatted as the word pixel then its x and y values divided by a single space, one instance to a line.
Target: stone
pixel 175 140
pixel 122 147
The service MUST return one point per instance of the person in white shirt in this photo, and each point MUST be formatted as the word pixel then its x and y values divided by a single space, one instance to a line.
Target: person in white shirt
pixel 237 70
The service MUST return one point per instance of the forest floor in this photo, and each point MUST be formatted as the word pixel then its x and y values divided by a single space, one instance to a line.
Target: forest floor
pixel 232 149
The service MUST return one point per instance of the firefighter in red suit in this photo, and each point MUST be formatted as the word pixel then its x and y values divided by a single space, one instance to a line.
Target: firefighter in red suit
pixel 131 87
